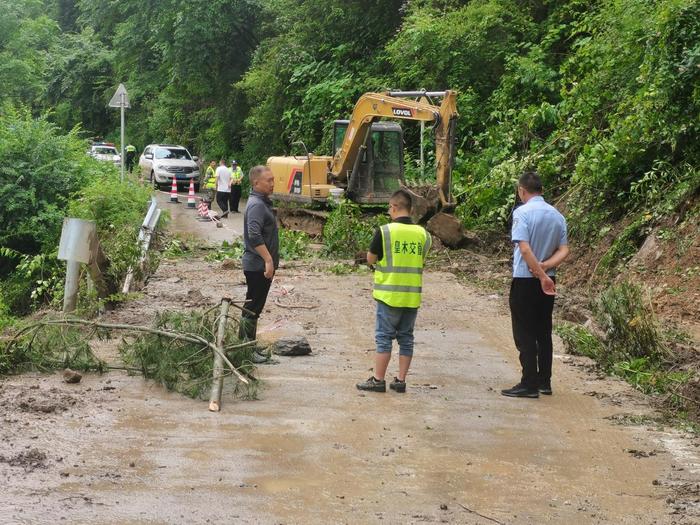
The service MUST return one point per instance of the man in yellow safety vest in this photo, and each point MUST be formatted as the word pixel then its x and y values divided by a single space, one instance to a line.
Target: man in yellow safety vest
pixel 236 180
pixel 130 156
pixel 399 250
pixel 210 182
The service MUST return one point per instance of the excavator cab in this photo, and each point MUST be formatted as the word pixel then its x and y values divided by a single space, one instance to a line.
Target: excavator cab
pixel 378 170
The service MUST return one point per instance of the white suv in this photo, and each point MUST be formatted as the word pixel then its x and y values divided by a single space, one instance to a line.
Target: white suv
pixel 106 152
pixel 159 163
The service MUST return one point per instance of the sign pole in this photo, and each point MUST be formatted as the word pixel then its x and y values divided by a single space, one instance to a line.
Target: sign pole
pixel 122 104
pixel 120 100
pixel 422 158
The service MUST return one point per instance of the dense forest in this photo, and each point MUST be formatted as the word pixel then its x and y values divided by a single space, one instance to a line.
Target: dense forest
pixel 601 97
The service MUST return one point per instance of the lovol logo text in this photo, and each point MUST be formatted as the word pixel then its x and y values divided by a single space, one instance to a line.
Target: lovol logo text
pixel 402 112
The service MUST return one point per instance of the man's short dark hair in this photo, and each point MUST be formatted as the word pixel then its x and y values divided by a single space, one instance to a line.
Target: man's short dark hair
pixel 402 200
pixel 530 181
pixel 255 172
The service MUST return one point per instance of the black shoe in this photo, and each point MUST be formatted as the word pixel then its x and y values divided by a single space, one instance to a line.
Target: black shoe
pixel 546 389
pixel 520 391
pixel 372 385
pixel 398 386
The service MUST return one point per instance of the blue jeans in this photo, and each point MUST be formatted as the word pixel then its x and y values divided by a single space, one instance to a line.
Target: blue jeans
pixel 395 323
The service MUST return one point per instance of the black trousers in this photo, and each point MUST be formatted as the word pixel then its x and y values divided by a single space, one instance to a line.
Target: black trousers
pixel 255 298
pixel 223 199
pixel 531 318
pixel 235 197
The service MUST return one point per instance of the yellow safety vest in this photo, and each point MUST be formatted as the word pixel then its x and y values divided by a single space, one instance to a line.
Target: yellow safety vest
pixel 211 179
pixel 398 276
pixel 237 175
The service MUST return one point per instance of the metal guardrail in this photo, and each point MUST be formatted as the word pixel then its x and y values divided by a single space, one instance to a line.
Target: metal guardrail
pixel 145 234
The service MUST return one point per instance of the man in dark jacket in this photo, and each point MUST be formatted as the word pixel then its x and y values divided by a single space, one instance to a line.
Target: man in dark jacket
pixel 261 255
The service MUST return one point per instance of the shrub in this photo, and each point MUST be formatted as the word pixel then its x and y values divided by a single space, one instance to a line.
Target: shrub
pixel 578 340
pixel 227 250
pixel 293 245
pixel 347 232
pixel 40 168
pixel 629 324
pixel 118 209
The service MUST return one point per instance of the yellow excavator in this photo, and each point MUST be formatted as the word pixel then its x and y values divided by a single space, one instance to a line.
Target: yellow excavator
pixel 367 165
pixel 368 153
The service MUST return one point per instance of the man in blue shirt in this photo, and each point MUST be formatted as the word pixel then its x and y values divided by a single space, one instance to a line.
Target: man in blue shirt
pixel 540 245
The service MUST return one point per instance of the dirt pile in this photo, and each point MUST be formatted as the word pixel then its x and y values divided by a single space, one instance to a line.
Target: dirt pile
pixel 29 461
pixel 41 401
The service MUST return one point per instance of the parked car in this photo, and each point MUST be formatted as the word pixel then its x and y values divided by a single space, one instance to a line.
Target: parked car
pixel 160 163
pixel 105 151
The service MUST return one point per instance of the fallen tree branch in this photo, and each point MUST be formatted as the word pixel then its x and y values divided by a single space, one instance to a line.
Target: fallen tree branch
pixel 177 336
pixel 481 515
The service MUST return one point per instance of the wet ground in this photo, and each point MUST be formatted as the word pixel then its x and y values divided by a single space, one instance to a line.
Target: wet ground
pixel 118 449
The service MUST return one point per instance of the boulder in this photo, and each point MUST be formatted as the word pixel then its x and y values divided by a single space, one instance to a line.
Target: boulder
pixel 425 203
pixel 71 376
pixel 450 231
pixel 291 346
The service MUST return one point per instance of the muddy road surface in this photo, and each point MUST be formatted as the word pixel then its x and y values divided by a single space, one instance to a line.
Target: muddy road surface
pixel 117 449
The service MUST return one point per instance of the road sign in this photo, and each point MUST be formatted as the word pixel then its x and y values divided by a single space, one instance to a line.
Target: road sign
pixel 120 98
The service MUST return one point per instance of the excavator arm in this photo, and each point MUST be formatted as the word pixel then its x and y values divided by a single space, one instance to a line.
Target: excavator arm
pixel 399 105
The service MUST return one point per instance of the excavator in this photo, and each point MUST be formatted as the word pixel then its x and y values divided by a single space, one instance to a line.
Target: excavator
pixel 367 165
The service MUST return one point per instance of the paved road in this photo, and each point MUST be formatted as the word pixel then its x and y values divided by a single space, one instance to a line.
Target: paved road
pixel 184 220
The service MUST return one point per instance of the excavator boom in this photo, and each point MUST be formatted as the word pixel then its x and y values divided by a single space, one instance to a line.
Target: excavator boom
pixel 399 105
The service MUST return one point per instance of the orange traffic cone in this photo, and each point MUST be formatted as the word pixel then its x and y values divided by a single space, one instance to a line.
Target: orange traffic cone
pixel 190 195
pixel 173 191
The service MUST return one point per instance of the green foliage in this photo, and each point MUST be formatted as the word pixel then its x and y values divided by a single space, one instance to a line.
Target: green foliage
pixel 578 340
pixel 46 348
pixel 180 365
pixel 40 168
pixel 26 33
pixel 293 245
pixel 648 376
pixel 227 250
pixel 631 331
pixel 631 345
pixel 36 280
pixel 118 209
pixel 347 232
pixel 602 98
pixel 176 247
pixel 345 268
